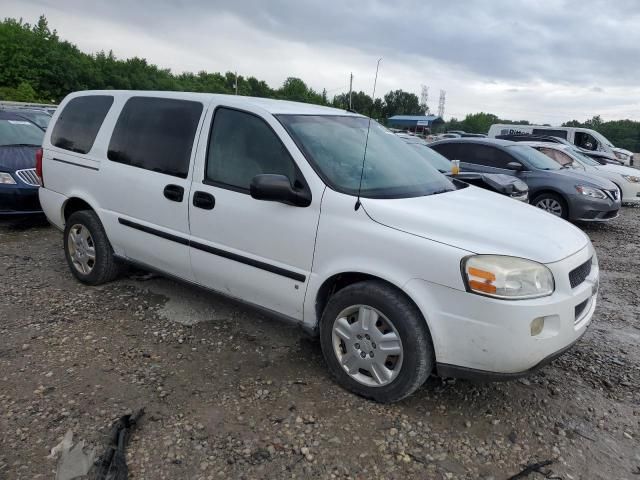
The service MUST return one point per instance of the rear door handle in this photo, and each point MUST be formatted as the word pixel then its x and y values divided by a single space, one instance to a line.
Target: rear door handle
pixel 204 200
pixel 175 193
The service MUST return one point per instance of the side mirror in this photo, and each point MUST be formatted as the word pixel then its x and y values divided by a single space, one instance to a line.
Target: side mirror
pixel 517 166
pixel 277 188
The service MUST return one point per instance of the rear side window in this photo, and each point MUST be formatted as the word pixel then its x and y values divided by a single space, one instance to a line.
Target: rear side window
pixel 490 157
pixel 156 134
pixel 550 132
pixel 242 146
pixel 450 150
pixel 80 121
pixel 473 153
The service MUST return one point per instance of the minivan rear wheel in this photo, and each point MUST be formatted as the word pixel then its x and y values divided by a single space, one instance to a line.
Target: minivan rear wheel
pixel 87 249
pixel 552 203
pixel 376 342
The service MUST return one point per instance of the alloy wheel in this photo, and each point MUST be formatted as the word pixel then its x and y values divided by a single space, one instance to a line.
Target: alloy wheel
pixel 550 205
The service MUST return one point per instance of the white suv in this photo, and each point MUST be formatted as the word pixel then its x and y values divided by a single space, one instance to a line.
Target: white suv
pixel 257 199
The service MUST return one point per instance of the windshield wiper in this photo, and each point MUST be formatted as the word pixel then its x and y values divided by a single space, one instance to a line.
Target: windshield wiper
pixel 20 145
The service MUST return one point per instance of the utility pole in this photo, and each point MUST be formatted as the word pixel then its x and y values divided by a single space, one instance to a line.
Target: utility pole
pixel 236 83
pixel 441 104
pixel 424 99
pixel 350 89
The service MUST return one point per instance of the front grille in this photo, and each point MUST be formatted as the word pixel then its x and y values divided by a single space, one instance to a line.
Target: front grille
pixel 579 274
pixel 579 310
pixel 28 176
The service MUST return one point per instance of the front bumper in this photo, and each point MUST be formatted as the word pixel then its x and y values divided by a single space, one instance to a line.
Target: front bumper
pixel 18 200
pixel 492 338
pixel 630 192
pixel 586 209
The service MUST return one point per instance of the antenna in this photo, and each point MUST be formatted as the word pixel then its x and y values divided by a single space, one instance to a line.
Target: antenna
pixel 366 142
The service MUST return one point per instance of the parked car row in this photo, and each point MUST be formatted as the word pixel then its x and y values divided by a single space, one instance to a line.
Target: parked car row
pixel 324 218
pixel 584 138
pixel 601 157
pixel 626 179
pixel 570 194
pixel 499 183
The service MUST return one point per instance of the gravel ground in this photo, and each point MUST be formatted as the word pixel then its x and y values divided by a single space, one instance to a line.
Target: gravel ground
pixel 231 394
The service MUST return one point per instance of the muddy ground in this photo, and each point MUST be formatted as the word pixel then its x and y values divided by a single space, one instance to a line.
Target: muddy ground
pixel 231 394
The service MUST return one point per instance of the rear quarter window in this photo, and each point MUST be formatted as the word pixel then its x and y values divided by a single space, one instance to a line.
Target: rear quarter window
pixel 156 134
pixel 78 124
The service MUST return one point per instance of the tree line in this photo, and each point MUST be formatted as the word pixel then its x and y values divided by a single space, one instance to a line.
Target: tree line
pixel 37 66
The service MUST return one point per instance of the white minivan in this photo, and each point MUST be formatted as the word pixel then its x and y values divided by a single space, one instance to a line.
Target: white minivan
pixel 401 271
pixel 581 137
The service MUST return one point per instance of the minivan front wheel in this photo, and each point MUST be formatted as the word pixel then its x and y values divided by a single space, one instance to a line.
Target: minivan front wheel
pixel 87 249
pixel 376 342
pixel 552 203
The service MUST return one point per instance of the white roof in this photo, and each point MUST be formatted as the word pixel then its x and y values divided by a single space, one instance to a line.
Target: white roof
pixel 268 104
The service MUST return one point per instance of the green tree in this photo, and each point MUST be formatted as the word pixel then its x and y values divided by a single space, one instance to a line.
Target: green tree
pixel 479 122
pixel 25 93
pixel 399 102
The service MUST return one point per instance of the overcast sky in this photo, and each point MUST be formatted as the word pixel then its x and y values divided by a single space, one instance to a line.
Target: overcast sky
pixel 546 61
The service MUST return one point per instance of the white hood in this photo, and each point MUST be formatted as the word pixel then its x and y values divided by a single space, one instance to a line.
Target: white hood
pixel 622 150
pixel 480 221
pixel 620 170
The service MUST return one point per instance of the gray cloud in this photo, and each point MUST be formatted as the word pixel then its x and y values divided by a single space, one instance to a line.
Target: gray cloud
pixel 570 41
pixel 571 52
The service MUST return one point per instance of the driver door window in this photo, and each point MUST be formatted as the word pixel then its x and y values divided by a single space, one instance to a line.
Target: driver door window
pixel 242 146
pixel 586 141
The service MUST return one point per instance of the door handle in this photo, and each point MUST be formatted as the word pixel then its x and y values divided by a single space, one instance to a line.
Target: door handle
pixel 204 200
pixel 175 193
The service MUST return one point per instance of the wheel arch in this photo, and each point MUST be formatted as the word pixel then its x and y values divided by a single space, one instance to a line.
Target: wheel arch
pixel 75 204
pixel 338 281
pixel 553 191
pixel 543 190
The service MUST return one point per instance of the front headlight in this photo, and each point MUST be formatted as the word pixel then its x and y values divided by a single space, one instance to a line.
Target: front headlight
pixel 590 192
pixel 6 179
pixel 631 178
pixel 510 278
pixel 620 156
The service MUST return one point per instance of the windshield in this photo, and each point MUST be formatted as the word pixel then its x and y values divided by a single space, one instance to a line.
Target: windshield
pixel 434 158
pixel 334 145
pixel 19 132
pixel 601 138
pixel 582 158
pixel 533 158
pixel 39 118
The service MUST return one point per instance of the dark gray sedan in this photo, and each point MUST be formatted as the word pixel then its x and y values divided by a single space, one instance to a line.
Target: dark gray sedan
pixel 575 196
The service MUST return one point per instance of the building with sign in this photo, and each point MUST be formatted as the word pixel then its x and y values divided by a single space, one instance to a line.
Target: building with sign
pixel 415 123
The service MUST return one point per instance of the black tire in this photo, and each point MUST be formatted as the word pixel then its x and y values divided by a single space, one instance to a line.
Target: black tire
pixel 105 268
pixel 552 196
pixel 417 357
